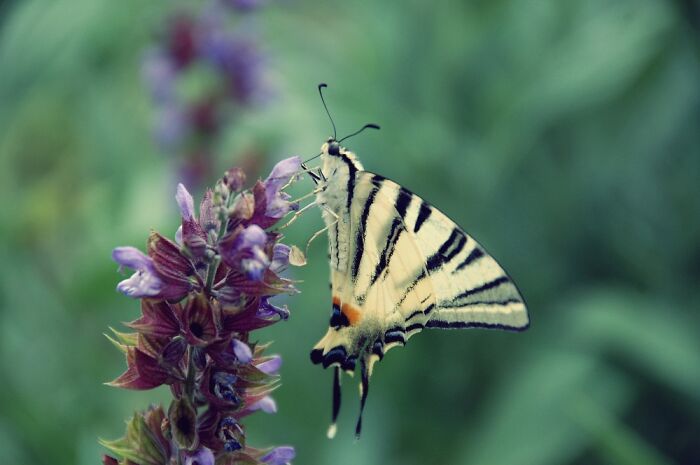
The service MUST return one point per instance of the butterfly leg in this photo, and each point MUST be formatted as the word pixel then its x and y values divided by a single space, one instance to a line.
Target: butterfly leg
pixel 310 171
pixel 297 215
pixel 316 234
pixel 310 194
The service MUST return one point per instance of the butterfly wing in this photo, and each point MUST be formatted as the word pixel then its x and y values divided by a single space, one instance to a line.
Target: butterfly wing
pixel 470 288
pixel 407 266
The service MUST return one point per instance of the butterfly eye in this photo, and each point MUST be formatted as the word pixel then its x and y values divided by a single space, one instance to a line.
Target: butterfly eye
pixel 334 148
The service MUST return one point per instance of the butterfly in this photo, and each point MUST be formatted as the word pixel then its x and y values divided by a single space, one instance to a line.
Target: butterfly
pixel 398 266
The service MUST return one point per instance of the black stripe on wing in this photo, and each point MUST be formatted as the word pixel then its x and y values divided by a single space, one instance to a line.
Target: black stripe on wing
pixel 426 312
pixel 473 256
pixel 448 250
pixel 423 214
pixel 482 302
pixel 361 233
pixel 401 204
pixel 483 288
pixel 473 324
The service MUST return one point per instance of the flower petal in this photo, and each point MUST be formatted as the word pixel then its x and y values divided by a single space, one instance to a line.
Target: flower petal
pixel 143 283
pixel 270 366
pixel 157 319
pixel 282 173
pixel 178 236
pixel 267 404
pixel 202 456
pixel 279 456
pixel 280 258
pixel 185 201
pixel 251 236
pixel 242 351
pixel 131 257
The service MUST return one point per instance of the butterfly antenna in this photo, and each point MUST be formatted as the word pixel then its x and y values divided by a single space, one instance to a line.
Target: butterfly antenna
pixel 366 126
pixel 320 92
pixel 312 158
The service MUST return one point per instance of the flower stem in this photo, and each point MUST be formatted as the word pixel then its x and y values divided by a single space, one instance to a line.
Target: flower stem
pixel 189 380
pixel 211 273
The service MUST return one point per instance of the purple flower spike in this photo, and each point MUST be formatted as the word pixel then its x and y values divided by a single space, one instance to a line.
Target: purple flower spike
pixel 159 75
pixel 279 456
pixel 145 282
pixel 201 456
pixel 202 296
pixel 171 126
pixel 185 201
pixel 271 366
pixel 242 351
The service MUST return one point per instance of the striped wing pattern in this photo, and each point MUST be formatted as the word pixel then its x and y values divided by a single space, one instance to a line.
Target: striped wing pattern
pixel 399 265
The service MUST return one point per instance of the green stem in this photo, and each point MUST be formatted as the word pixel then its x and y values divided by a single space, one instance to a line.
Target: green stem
pixel 211 273
pixel 189 380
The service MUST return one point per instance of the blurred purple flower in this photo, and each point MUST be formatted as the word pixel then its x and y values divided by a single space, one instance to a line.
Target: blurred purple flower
pixel 171 127
pixel 159 75
pixel 187 125
pixel 244 5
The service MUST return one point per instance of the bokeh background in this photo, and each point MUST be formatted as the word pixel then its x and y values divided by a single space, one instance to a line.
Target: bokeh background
pixel 565 136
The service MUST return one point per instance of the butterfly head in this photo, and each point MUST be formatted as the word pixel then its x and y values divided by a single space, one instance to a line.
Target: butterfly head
pixel 337 160
pixel 332 147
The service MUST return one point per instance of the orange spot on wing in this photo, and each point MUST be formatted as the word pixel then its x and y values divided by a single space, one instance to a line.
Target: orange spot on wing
pixel 353 314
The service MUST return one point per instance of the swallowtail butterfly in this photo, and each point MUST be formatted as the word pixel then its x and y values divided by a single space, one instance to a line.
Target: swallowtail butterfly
pixel 398 266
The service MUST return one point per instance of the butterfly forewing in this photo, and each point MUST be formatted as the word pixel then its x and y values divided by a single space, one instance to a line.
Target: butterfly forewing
pixel 471 289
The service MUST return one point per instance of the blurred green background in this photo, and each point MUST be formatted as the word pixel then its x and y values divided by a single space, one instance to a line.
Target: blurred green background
pixel 565 136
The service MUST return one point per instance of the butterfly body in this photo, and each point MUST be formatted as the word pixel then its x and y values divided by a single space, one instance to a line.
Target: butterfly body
pixel 398 265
